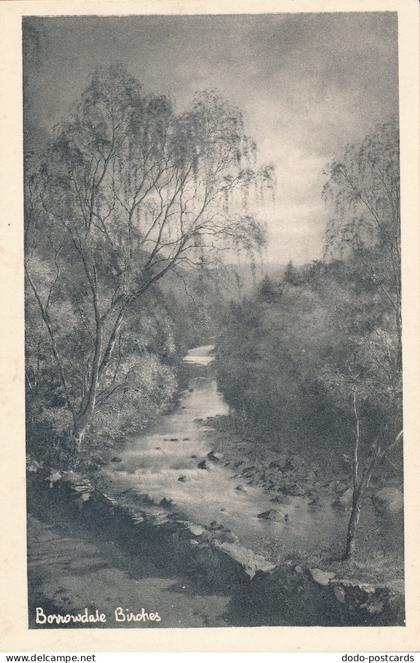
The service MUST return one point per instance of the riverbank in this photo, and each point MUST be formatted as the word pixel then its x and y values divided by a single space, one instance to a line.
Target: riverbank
pixel 321 484
pixel 207 507
pixel 96 555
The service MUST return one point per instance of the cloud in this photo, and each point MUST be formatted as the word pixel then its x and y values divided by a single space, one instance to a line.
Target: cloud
pixel 307 85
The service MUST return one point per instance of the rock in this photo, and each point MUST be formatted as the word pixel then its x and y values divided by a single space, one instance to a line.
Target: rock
pixel 226 536
pixel 373 607
pixel 197 530
pixel 173 439
pixel 272 514
pixel 240 489
pixel 33 465
pixel 167 503
pixel 185 439
pixel 388 500
pixel 314 501
pixel 116 459
pixel 215 525
pixel 339 593
pixel 160 518
pixel 202 465
pixel 289 594
pixel 214 456
pixel 53 477
pixel 321 577
pixel 251 563
pixel 183 478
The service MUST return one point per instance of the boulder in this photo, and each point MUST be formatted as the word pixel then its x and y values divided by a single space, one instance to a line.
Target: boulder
pixel 214 456
pixel 202 465
pixel 273 514
pixel 294 595
pixel 167 503
pixel 322 577
pixel 183 478
pixel 197 530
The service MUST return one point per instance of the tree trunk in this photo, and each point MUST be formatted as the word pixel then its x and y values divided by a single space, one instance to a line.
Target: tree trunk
pixel 87 409
pixel 359 490
pixel 353 523
pixel 78 434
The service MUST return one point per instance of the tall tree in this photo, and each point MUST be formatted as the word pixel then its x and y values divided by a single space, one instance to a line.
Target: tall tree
pixel 365 190
pixel 126 192
pixel 365 228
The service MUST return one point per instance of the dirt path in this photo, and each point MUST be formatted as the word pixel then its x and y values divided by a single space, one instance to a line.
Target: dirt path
pixel 70 570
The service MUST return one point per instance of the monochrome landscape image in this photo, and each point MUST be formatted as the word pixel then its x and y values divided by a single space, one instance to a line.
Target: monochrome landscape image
pixel 213 321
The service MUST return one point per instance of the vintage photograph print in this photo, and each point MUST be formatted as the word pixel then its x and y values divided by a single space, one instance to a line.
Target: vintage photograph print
pixel 213 351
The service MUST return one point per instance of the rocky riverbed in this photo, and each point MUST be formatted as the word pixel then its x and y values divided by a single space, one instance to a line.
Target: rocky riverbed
pixel 299 486
pixel 192 511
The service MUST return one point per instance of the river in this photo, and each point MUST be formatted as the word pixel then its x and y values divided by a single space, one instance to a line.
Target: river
pixel 71 567
pixel 165 461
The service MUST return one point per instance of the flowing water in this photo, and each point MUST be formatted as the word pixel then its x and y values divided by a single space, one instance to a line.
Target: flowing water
pixel 164 463
pixel 69 567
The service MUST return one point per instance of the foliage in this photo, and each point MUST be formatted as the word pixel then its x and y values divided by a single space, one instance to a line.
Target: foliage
pixel 315 359
pixel 126 192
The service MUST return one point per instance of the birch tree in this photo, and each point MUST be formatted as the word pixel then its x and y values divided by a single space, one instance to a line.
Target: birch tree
pixel 127 192
pixel 365 228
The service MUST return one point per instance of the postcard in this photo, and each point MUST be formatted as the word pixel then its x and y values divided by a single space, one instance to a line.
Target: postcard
pixel 211 326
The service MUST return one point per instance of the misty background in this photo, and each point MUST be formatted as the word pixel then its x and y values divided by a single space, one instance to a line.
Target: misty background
pixel 307 84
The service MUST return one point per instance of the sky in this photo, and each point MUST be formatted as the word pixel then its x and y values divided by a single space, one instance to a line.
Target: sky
pixel 307 84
